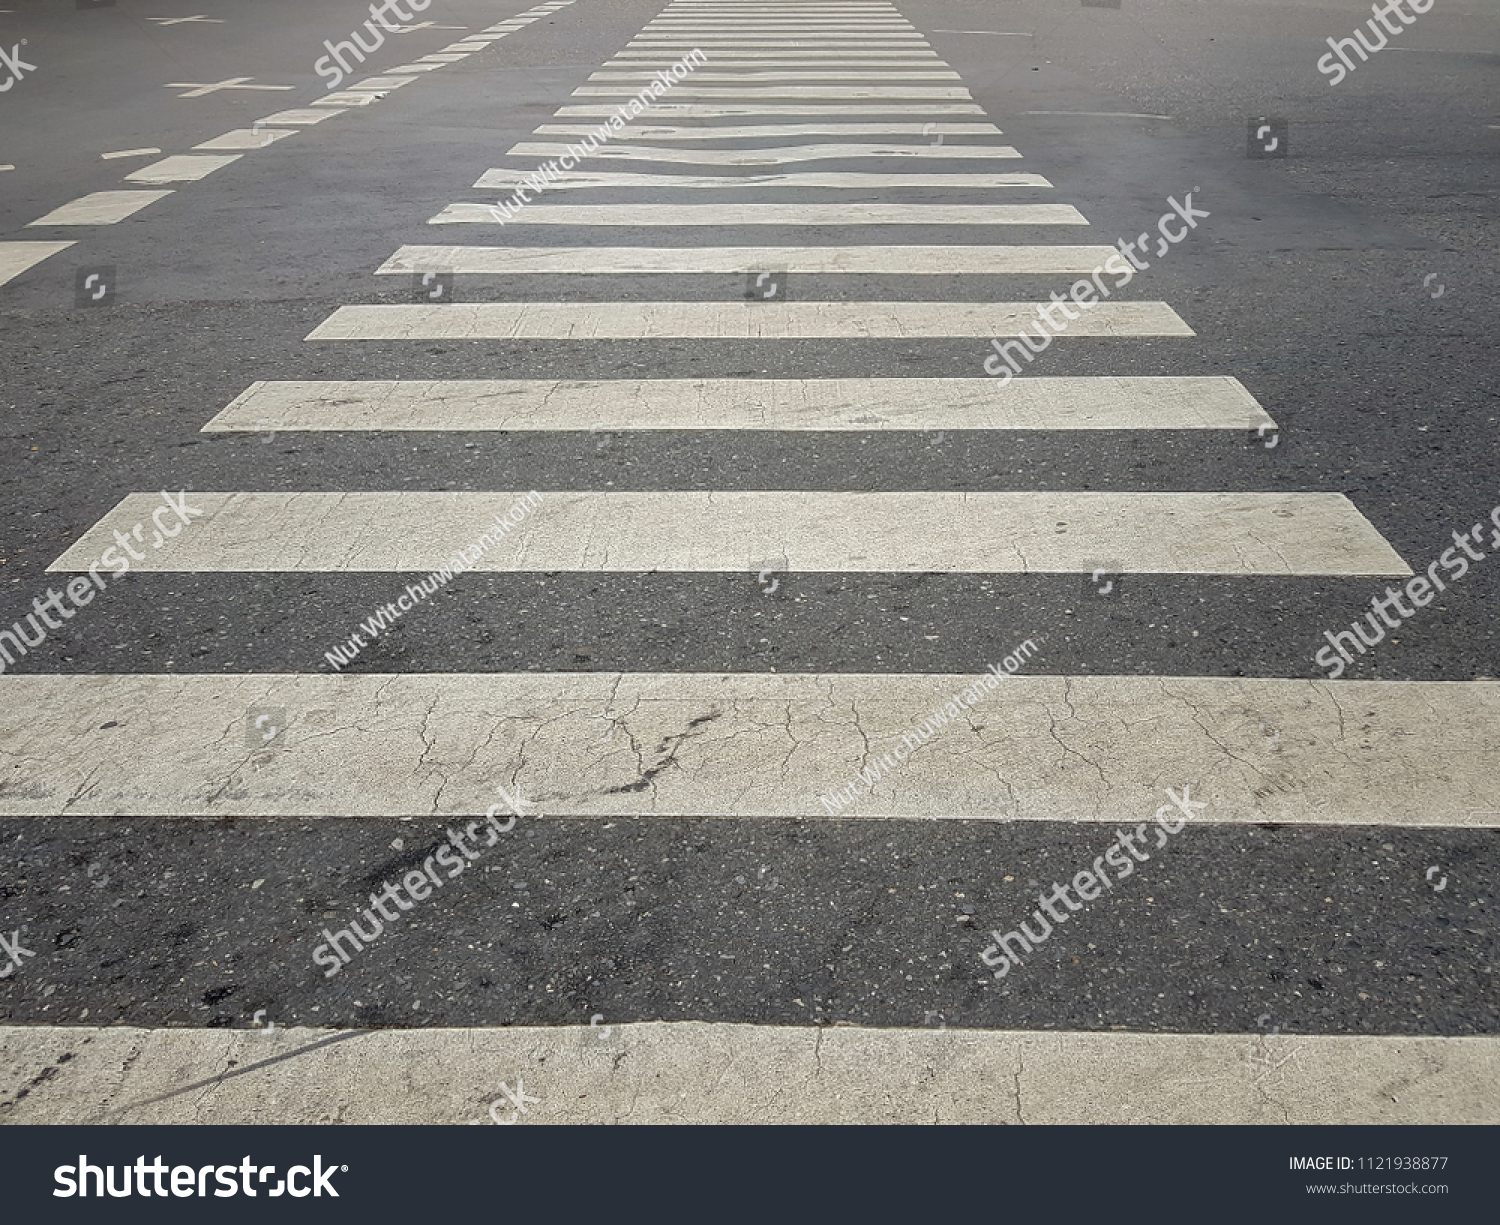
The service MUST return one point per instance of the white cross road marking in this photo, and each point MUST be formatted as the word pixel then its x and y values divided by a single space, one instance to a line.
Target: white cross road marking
pixel 177 21
pixel 423 25
pixel 196 90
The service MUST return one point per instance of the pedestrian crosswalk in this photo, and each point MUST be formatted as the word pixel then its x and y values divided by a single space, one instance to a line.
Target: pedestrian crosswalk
pixel 784 85
pixel 1188 533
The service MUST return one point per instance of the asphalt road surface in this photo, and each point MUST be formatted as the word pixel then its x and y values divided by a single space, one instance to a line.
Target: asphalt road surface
pixel 799 649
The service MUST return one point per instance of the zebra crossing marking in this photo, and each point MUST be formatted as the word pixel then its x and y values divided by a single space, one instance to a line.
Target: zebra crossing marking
pixel 729 531
pixel 902 260
pixel 684 1072
pixel 777 131
pixel 750 93
pixel 811 110
pixel 793 215
pixel 781 156
pixel 866 405
pixel 1042 748
pixel 737 320
pixel 850 180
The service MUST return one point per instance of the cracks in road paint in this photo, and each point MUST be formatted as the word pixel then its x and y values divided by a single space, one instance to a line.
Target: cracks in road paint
pixel 1224 748
pixel 209 1089
pixel 1072 715
pixel 83 787
pixel 669 745
pixel 1020 1069
pixel 230 1074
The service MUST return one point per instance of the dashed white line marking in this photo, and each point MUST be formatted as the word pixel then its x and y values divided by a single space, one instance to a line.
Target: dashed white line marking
pixel 348 98
pixel 130 153
pixel 181 168
pixel 101 208
pixel 245 138
pixel 17 257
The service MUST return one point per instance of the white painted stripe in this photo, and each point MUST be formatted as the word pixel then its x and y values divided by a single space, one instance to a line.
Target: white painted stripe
pixel 829 46
pixel 1099 114
pixel 846 405
pixel 751 93
pixel 729 532
pixel 733 34
pixel 755 93
pixel 17 257
pixel 797 215
pixel 246 138
pixel 838 180
pixel 778 28
pixel 301 116
pixel 740 1074
pixel 751 77
pixel 440 58
pixel 739 320
pixel 904 55
pixel 1417 753
pixel 408 68
pixel 897 67
pixel 129 153
pixel 712 38
pixel 906 260
pixel 689 110
pixel 774 130
pixel 385 82
pixel 181 168
pixel 348 97
pixel 8 166
pixel 774 156
pixel 101 208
